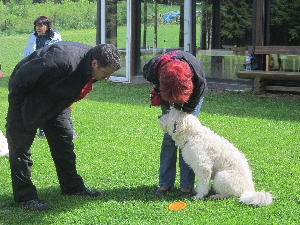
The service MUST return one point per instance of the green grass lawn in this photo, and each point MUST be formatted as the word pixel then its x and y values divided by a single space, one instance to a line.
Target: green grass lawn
pixel 118 153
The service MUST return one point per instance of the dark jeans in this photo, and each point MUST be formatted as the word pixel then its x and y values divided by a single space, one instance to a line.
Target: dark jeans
pixel 59 134
pixel 168 158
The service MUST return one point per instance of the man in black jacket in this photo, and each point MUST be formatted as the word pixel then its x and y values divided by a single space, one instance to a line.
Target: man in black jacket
pixel 180 82
pixel 41 88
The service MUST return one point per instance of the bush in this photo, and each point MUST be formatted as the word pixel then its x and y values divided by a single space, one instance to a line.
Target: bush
pixel 65 16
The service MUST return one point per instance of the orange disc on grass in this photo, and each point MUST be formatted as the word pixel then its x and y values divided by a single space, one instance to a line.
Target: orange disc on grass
pixel 177 206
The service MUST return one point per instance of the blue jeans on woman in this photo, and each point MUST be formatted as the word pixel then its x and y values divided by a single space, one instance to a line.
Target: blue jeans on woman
pixel 168 158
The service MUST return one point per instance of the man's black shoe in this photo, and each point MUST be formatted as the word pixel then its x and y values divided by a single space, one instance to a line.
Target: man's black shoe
pixel 87 192
pixel 41 134
pixel 35 205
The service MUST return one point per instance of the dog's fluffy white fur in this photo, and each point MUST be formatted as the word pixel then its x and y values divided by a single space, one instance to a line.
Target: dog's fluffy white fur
pixel 3 145
pixel 212 158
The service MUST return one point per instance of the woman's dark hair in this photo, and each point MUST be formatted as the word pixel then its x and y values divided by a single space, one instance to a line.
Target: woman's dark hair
pixel 107 55
pixel 44 20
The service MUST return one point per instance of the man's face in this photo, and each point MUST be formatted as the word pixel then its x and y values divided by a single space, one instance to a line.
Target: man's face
pixel 101 73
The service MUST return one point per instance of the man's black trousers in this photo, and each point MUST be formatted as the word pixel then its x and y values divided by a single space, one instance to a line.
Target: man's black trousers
pixel 59 134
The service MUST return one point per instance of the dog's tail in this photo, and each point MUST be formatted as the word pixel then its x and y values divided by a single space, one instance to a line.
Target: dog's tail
pixel 261 198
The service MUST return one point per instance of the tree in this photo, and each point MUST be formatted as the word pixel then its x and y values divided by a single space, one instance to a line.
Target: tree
pixel 285 22
pixel 236 22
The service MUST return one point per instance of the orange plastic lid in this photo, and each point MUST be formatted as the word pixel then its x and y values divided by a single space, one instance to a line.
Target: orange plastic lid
pixel 177 206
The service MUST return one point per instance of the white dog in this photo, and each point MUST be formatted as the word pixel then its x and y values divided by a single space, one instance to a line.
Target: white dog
pixel 3 145
pixel 212 158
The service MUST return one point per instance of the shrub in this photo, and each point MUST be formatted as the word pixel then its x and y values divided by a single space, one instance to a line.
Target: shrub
pixel 17 17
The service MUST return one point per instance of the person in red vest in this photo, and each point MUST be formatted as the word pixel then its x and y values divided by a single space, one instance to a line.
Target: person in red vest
pixel 179 82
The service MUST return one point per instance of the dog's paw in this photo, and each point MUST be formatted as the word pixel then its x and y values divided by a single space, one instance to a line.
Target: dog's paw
pixel 218 196
pixel 197 197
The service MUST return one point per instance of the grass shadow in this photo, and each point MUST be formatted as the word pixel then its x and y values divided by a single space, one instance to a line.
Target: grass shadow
pixel 140 193
pixel 63 203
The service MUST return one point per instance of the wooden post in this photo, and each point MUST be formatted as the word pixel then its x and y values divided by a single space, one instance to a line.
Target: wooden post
pixel 111 22
pixel 268 62
pixel 205 27
pixel 181 25
pixel 133 37
pixel 261 28
pixel 137 21
pixel 145 24
pixel 155 26
pixel 98 25
pixel 216 25
pixel 216 61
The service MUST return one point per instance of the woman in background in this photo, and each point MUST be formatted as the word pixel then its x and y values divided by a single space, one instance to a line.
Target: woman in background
pixel 43 35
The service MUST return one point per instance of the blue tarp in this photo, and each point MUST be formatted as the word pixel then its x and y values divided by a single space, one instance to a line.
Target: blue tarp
pixel 167 17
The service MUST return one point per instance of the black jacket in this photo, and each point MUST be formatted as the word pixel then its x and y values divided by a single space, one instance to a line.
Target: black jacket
pixel 199 81
pixel 47 81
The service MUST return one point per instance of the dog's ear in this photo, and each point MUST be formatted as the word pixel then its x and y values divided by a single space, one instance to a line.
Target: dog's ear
pixel 163 122
pixel 167 123
pixel 170 122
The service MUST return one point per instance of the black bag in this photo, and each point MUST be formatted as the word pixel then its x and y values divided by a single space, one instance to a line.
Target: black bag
pixel 254 64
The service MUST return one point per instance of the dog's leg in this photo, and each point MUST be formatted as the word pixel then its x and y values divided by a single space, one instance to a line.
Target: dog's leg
pixel 224 185
pixel 228 183
pixel 203 185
